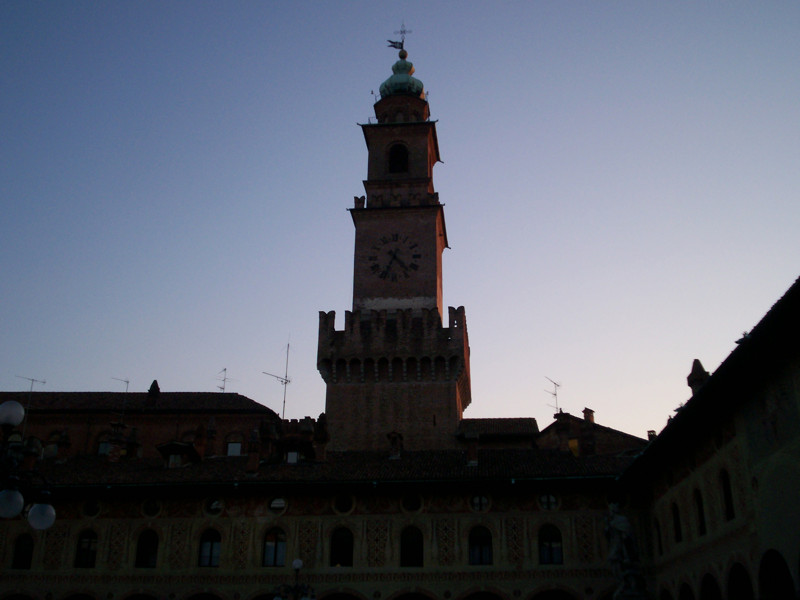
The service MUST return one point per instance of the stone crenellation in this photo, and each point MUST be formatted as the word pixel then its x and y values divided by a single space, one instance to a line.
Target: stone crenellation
pixel 400 345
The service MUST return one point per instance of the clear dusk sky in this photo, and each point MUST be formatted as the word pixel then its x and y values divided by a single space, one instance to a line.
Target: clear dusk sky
pixel 621 182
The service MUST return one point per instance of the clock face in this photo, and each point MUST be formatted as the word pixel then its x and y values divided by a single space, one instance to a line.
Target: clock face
pixel 394 257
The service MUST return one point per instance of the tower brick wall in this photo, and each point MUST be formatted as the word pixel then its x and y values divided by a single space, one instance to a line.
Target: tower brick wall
pixel 394 371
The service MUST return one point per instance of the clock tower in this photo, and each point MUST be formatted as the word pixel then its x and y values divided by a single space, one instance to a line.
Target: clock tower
pixel 395 372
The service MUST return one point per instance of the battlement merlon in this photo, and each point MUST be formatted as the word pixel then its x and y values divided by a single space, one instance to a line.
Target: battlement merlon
pixel 393 333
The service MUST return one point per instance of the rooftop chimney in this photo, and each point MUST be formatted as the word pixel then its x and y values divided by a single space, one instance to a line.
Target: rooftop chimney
pixel 588 415
pixel 697 377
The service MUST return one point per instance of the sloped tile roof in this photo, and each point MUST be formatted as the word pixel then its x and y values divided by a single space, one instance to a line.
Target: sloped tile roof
pixel 498 427
pixel 581 422
pixel 136 402
pixel 773 341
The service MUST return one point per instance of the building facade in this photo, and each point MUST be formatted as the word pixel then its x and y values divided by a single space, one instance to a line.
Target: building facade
pixel 720 485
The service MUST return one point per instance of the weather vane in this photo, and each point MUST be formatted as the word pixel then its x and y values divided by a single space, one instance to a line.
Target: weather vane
pixel 403 31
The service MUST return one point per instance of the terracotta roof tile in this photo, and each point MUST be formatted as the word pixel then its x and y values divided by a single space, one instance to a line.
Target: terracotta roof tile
pixel 498 427
pixel 136 402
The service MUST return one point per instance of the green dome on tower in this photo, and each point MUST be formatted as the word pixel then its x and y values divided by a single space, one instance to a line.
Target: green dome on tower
pixel 401 83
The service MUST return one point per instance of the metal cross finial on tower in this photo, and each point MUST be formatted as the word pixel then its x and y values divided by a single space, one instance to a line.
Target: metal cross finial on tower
pixel 402 32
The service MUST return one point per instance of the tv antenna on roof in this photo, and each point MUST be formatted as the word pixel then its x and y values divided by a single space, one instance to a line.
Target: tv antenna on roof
pixel 554 393
pixel 224 379
pixel 32 380
pixel 125 381
pixel 284 381
pixel 27 408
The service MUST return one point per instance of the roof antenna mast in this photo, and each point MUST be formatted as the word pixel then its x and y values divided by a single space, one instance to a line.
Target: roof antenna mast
pixel 125 381
pixel 284 381
pixel 30 392
pixel 32 380
pixel 554 394
pixel 224 379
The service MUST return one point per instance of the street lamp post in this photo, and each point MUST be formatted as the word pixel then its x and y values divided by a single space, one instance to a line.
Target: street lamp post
pixel 41 514
pixel 298 591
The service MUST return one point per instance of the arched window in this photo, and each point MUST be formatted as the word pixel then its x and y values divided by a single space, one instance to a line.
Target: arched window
pixel 551 551
pixel 411 553
pixel 659 543
pixel 398 159
pixel 727 495
pixel 210 547
pixel 480 546
pixel 146 550
pixel 709 589
pixel 685 593
pixel 701 513
pixel 676 523
pixel 774 577
pixel 274 548
pixel 343 504
pixel 23 552
pixel 739 585
pixel 342 547
pixel 86 551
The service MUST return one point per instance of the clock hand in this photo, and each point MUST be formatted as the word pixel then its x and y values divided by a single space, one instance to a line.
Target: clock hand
pixel 385 271
pixel 393 254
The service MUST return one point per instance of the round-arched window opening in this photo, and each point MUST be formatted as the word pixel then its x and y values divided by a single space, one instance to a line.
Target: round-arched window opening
pixel 479 503
pixel 412 503
pixel 398 159
pixel 548 502
pixel 213 507
pixel 151 507
pixel 277 505
pixel 343 504
pixel 91 508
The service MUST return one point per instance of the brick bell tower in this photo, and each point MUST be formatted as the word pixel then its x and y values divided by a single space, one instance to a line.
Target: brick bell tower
pixel 395 375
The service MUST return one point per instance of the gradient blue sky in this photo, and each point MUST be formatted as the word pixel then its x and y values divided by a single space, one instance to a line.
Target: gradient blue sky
pixel 620 178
